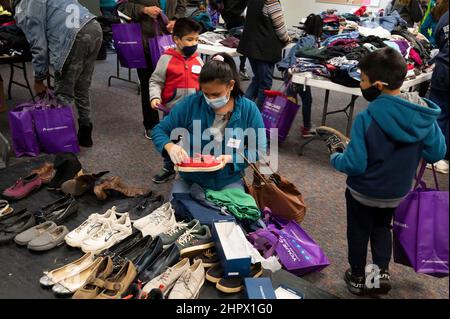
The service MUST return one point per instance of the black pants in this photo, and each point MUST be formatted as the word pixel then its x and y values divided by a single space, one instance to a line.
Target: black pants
pixel 366 223
pixel 151 116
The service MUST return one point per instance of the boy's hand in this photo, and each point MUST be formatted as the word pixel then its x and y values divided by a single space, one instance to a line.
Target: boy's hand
pixel 154 103
pixel 170 26
pixel 39 88
pixel 152 12
pixel 335 144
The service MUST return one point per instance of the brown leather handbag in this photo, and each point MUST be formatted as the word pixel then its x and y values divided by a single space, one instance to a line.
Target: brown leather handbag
pixel 277 193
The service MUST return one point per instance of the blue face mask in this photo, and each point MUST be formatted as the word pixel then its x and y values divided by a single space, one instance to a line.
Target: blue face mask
pixel 218 103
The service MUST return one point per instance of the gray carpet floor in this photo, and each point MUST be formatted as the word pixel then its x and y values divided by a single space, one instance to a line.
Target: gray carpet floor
pixel 119 146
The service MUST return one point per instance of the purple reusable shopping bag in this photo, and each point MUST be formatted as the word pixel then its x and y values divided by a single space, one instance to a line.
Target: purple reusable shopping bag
pixel 24 139
pixel 55 127
pixel 421 225
pixel 296 250
pixel 278 112
pixel 129 46
pixel 161 42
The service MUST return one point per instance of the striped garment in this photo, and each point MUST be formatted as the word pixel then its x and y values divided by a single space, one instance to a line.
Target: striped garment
pixel 273 10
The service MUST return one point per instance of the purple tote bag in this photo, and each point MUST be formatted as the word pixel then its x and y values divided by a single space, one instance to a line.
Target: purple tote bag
pixel 24 138
pixel 129 46
pixel 161 42
pixel 296 250
pixel 279 112
pixel 421 228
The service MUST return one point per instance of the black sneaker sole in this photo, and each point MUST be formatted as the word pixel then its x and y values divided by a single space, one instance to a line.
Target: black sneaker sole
pixel 165 180
pixel 353 290
pixel 383 290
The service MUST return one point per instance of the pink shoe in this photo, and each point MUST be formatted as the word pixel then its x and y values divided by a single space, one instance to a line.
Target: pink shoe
pixel 23 187
pixel 306 132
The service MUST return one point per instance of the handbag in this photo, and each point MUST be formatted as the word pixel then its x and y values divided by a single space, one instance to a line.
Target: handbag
pixel 161 42
pixel 277 193
pixel 24 138
pixel 55 127
pixel 296 250
pixel 421 226
pixel 128 43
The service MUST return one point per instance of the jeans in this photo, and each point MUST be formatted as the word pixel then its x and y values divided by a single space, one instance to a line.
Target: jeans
pixel 305 94
pixel 73 82
pixel 262 80
pixel 366 223
pixel 183 187
pixel 441 99
pixel 151 116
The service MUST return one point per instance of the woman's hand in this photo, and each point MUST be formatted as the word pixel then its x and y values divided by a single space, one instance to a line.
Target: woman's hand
pixel 170 26
pixel 152 12
pixel 177 154
pixel 225 159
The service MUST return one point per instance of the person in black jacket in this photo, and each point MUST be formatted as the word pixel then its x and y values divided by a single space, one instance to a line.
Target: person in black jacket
pixel 144 12
pixel 264 37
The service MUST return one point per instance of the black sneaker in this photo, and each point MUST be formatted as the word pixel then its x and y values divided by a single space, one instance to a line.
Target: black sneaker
pixel 384 279
pixel 244 75
pixel 209 258
pixel 214 274
pixel 235 285
pixel 356 285
pixel 148 134
pixel 164 176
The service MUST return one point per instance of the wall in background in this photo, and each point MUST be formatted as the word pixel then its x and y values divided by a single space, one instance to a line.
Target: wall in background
pixel 294 10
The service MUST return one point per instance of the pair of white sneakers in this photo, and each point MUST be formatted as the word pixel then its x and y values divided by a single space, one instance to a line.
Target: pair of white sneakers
pixel 100 232
pixel 158 222
pixel 182 281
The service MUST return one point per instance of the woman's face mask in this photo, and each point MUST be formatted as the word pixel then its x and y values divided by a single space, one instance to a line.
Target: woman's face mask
pixel 217 94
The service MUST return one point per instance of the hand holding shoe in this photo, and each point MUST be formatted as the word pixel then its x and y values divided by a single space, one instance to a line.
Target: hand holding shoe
pixel 335 144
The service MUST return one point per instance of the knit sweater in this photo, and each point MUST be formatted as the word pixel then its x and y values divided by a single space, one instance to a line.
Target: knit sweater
pixel 273 10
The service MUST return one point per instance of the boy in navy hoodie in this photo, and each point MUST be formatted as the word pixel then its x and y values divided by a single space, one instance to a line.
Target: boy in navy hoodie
pixel 388 140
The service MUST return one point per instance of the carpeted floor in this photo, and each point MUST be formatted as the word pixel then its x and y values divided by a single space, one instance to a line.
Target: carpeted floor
pixel 119 146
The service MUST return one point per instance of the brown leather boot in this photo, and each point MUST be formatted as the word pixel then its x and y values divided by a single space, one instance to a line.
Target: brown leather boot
pixel 81 184
pixel 46 172
pixel 115 183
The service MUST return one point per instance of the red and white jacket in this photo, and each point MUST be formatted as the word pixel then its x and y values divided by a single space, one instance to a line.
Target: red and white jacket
pixel 175 77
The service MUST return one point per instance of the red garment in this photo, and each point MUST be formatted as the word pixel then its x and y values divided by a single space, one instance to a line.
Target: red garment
pixel 360 12
pixel 413 55
pixel 345 42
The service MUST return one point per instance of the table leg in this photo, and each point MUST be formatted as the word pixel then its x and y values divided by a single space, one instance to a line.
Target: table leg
pixel 11 77
pixel 306 142
pixel 325 107
pixel 118 77
pixel 351 108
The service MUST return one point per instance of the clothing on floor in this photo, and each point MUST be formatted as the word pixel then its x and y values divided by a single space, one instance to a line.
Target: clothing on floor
pixel 237 201
pixel 366 224
pixel 73 82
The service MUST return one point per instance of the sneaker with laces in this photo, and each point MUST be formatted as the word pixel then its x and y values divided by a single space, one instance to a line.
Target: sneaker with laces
pixel 307 132
pixel 110 234
pixel 166 210
pixel 177 230
pixel 244 75
pixel 159 222
pixel 355 284
pixel 189 284
pixel 209 257
pixel 164 176
pixel 167 279
pixel 90 227
pixel 384 280
pixel 148 134
pixel 194 242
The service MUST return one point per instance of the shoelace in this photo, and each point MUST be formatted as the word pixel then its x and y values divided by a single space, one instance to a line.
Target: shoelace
pixel 106 229
pixel 176 228
pixel 209 253
pixel 185 238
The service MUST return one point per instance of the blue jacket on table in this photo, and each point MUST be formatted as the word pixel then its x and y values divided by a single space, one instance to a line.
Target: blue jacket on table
pixel 194 108
pixel 388 140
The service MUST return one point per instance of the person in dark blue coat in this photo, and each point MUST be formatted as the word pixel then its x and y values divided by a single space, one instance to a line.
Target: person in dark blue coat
pixel 388 140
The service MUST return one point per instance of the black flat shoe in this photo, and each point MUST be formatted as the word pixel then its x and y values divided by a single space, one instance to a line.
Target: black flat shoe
pixel 21 224
pixel 126 205
pixel 146 207
pixel 59 213
pixel 146 259
pixel 134 252
pixel 122 245
pixel 167 258
pixel 10 218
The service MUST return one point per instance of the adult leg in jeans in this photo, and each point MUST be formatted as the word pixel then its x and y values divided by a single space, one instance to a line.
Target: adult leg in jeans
pixel 381 237
pixel 151 116
pixel 306 97
pixel 441 99
pixel 359 228
pixel 252 90
pixel 266 81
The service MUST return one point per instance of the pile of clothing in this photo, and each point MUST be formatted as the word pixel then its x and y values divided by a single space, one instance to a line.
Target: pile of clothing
pixel 14 43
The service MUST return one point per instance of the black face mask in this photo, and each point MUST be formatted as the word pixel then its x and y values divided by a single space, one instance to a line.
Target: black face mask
pixel 189 51
pixel 371 93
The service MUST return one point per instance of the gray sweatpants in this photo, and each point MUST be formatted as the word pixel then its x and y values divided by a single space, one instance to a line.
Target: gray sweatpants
pixel 73 82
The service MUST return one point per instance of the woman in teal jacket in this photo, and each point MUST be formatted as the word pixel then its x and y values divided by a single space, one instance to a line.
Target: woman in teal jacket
pixel 436 10
pixel 218 121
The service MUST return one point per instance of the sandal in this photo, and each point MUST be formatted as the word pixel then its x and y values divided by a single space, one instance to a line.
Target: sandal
pixel 5 209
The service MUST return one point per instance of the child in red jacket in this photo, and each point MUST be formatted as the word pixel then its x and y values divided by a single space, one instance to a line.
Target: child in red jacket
pixel 176 76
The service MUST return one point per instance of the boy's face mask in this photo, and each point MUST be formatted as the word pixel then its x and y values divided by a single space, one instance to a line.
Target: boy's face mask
pixel 371 93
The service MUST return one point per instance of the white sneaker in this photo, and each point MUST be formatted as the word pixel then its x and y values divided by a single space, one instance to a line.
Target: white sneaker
pixel 165 210
pixel 159 223
pixel 189 284
pixel 110 234
pixel 167 279
pixel 91 226
pixel 440 167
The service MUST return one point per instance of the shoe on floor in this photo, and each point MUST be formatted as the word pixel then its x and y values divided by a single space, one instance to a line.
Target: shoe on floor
pixel 214 274
pixel 85 135
pixel 123 245
pixel 194 242
pixel 164 176
pixel 46 172
pixel 209 258
pixel 147 206
pixel 115 183
pixel 23 187
pixel 5 209
pixel 81 184
pixel 189 284
pixel 95 284
pixel 27 236
pixel 15 226
pixel 49 239
pixel 133 252
pixel 177 230
pixel 165 259
pixel 117 284
pixel 59 212
pixel 148 258
pixel 307 132
pixel 356 285
pixel 384 281
pixel 148 134
pixel 158 222
pixel 67 167
pixel 90 227
pixel 441 167
pixel 235 285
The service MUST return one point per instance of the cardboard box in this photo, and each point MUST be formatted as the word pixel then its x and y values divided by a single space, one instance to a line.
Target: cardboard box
pixel 259 288
pixel 231 249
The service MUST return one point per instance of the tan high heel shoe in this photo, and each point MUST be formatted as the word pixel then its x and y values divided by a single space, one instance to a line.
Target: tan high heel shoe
pixel 96 282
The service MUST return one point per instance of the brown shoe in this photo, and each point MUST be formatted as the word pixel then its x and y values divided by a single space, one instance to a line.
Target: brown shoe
pixel 46 172
pixel 81 184
pixel 118 284
pixel 115 183
pixel 96 282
